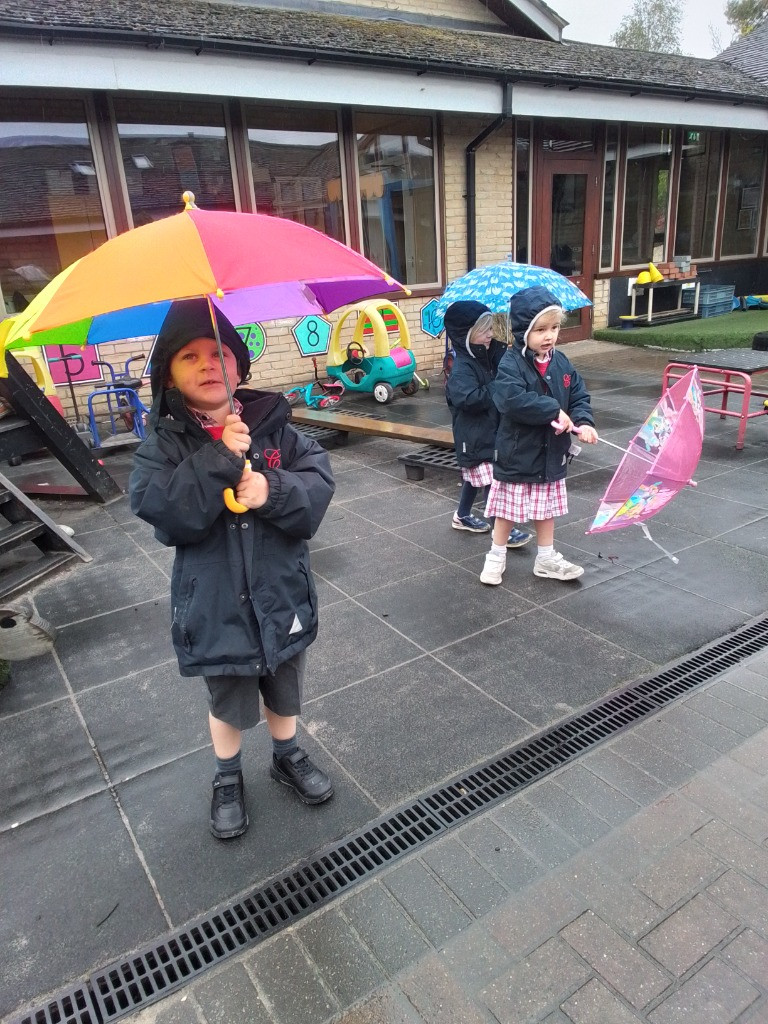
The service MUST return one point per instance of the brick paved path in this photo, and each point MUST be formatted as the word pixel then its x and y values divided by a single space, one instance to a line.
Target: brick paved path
pixel 631 885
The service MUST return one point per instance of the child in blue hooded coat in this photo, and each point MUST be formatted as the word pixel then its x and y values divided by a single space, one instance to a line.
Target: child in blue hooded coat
pixel 541 398
pixel 469 326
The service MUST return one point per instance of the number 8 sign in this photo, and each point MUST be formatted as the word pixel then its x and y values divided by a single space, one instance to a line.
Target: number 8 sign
pixel 312 334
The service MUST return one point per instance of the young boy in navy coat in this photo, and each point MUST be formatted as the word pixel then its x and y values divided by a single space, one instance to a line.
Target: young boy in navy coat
pixel 244 602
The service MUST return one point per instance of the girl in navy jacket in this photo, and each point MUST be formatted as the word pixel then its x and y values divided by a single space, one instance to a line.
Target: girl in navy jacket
pixel 541 398
pixel 469 326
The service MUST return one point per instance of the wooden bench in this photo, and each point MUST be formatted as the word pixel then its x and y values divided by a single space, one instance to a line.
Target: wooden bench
pixel 344 423
pixel 440 438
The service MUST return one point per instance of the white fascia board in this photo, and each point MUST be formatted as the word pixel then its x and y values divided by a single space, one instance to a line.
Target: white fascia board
pixel 547 24
pixel 38 65
pixel 599 105
pixel 68 66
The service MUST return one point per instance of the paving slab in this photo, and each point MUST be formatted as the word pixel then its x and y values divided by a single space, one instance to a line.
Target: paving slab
pixel 419 673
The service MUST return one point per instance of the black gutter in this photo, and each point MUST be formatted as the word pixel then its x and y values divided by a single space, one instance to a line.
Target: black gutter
pixel 312 55
pixel 471 172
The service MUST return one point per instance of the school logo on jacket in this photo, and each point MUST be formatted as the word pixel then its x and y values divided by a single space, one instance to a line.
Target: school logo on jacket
pixel 566 380
pixel 273 458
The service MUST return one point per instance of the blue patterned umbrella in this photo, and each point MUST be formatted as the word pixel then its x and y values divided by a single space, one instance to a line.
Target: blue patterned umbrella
pixel 496 283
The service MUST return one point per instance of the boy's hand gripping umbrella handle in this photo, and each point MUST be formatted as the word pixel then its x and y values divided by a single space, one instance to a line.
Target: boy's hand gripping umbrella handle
pixel 229 494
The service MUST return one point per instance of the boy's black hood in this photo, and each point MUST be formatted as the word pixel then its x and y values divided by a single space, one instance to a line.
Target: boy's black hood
pixel 188 319
pixel 459 319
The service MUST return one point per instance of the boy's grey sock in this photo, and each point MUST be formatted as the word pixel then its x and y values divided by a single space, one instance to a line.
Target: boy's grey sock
pixel 227 765
pixel 282 747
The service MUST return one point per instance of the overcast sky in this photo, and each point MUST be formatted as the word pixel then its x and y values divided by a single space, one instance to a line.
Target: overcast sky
pixel 595 21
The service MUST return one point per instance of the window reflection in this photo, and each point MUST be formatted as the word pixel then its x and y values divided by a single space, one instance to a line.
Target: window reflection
pixel 646 197
pixel 397 194
pixel 296 166
pixel 697 199
pixel 170 147
pixel 50 207
pixel 743 198
pixel 609 197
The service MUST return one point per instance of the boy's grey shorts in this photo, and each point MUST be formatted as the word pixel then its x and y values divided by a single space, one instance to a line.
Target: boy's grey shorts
pixel 235 699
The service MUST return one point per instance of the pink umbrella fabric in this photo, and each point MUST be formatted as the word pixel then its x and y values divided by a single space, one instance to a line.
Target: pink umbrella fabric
pixel 659 461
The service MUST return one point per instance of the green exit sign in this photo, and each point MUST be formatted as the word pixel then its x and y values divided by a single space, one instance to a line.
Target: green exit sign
pixel 692 136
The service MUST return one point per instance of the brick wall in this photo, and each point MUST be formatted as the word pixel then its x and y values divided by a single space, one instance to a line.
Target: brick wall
pixel 600 299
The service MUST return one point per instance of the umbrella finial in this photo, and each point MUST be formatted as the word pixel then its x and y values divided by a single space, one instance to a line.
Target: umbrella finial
pixel 188 198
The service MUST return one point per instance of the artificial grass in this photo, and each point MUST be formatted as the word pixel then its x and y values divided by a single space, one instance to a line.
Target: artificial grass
pixel 731 330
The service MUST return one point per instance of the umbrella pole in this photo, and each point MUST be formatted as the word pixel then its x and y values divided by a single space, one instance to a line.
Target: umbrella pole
pixel 626 451
pixel 214 321
pixel 648 536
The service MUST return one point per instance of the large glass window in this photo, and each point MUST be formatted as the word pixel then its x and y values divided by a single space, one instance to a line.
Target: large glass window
pixel 609 196
pixel 646 194
pixel 743 198
pixel 396 164
pixel 296 166
pixel 522 190
pixel 697 199
pixel 169 147
pixel 50 208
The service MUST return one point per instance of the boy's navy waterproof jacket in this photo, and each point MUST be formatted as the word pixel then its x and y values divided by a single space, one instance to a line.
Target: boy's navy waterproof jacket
pixel 467 391
pixel 242 594
pixel 527 448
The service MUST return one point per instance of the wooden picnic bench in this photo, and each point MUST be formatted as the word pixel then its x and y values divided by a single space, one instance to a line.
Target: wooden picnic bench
pixel 438 440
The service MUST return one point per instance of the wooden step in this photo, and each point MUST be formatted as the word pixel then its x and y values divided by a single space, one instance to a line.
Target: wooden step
pixel 14 581
pixel 16 534
pixel 39 426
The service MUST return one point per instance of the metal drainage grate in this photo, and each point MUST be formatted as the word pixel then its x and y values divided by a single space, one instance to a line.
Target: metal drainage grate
pixel 537 757
pixel 146 976
pixel 142 978
pixel 73 1006
pixel 431 455
pixel 323 435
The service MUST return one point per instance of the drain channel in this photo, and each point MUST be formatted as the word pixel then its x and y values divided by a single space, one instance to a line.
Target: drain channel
pixel 142 978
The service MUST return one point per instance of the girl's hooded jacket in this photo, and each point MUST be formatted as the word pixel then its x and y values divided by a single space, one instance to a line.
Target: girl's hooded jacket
pixel 527 448
pixel 467 390
pixel 242 593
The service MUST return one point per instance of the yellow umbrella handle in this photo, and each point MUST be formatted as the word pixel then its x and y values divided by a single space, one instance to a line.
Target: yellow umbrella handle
pixel 231 501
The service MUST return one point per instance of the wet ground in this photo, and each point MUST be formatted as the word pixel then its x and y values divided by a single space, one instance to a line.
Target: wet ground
pixel 419 673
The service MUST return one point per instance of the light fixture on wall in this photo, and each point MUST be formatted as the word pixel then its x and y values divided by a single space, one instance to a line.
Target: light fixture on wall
pixel 141 162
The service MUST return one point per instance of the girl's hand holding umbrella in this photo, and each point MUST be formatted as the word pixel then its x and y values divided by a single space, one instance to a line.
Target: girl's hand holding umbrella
pixel 587 434
pixel 563 423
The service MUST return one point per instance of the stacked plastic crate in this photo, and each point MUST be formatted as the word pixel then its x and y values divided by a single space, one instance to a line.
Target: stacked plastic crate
pixel 714 299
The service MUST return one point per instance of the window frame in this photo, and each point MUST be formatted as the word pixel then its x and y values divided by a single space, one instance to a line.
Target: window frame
pixel 725 175
pixel 234 166
pixel 719 205
pixel 422 288
pixel 624 160
pixel 337 112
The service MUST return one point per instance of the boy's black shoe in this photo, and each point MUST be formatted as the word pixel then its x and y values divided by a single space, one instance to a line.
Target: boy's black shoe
pixel 228 817
pixel 296 770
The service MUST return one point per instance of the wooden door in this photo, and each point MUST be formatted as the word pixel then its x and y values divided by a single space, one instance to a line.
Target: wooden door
pixel 566 227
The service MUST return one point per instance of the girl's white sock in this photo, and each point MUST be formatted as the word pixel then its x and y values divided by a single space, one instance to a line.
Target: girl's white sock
pixel 499 549
pixel 545 552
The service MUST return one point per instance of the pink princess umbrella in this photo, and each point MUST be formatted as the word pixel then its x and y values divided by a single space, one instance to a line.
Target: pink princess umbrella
pixel 658 463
